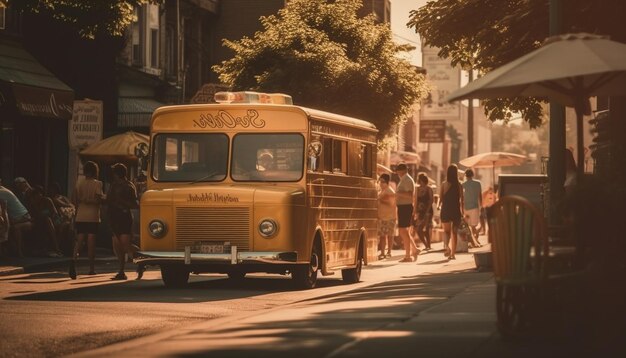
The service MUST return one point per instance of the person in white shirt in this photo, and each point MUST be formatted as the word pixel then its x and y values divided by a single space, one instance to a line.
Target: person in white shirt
pixel 386 216
pixel 404 202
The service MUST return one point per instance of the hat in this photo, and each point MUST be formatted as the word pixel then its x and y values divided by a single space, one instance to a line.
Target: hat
pixel 19 180
pixel 401 166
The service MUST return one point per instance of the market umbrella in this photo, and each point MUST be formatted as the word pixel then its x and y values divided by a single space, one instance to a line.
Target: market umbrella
pixel 493 160
pixel 117 148
pixel 567 68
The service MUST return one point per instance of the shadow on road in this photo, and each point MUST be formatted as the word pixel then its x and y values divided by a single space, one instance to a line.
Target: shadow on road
pixel 380 318
pixel 201 288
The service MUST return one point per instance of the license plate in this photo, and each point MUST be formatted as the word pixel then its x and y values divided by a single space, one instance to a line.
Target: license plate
pixel 210 249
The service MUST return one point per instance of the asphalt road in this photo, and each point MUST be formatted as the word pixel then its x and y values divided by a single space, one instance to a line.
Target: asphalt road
pixel 47 314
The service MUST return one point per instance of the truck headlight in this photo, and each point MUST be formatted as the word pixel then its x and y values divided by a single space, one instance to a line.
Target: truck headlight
pixel 157 228
pixel 268 228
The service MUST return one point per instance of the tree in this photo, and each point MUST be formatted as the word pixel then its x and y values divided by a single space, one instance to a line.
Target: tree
pixel 89 18
pixel 326 57
pixel 486 34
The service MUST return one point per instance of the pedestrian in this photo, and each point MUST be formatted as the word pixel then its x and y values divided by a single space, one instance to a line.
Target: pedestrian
pixel 88 197
pixel 46 219
pixel 424 210
pixel 404 203
pixel 472 198
pixel 24 192
pixel 20 221
pixel 66 211
pixel 451 204
pixel 386 216
pixel 120 199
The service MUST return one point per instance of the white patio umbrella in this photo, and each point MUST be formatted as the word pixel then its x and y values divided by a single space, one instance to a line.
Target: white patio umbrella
pixel 568 69
pixel 493 160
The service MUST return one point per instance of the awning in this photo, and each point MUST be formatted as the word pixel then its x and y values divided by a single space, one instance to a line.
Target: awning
pixel 29 87
pixel 209 5
pixel 136 111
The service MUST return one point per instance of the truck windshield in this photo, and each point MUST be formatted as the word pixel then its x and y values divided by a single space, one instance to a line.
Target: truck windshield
pixel 267 157
pixel 190 157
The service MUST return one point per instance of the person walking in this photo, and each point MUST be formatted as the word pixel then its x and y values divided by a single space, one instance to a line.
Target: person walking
pixel 120 199
pixel 404 203
pixel 87 198
pixel 386 216
pixel 424 210
pixel 451 204
pixel 472 198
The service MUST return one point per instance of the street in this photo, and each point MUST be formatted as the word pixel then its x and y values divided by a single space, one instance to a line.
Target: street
pixel 47 314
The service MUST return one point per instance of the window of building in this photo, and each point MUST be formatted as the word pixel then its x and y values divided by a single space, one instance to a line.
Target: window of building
pixel 153 34
pixel 137 58
pixel 172 52
pixel 2 15
pixel 154 48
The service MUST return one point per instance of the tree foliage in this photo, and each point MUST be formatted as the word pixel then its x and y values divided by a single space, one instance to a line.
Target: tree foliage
pixel 326 57
pixel 486 34
pixel 89 18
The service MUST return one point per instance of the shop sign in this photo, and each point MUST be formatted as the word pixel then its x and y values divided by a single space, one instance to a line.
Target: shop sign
pixel 40 102
pixel 432 131
pixel 85 127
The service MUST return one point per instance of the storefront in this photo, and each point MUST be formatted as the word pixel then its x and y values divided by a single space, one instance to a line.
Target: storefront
pixel 35 108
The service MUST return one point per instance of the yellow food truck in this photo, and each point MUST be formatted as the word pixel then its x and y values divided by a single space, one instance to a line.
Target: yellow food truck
pixel 256 184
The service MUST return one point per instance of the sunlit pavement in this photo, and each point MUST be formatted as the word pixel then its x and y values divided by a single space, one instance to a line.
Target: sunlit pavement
pixel 429 308
pixel 432 307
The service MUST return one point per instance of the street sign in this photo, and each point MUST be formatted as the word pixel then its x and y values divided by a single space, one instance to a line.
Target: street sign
pixel 432 131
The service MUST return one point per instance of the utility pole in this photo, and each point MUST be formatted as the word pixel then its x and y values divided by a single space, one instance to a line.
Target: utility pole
pixel 470 119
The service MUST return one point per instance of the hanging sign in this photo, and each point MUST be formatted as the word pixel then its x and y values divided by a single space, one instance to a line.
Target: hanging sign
pixel 85 128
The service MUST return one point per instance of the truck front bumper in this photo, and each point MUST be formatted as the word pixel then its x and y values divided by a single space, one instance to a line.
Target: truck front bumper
pixel 232 258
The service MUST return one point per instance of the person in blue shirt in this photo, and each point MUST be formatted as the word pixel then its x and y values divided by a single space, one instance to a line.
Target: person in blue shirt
pixel 472 195
pixel 20 221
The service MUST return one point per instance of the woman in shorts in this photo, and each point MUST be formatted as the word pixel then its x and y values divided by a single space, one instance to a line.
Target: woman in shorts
pixel 386 216
pixel 87 200
pixel 121 199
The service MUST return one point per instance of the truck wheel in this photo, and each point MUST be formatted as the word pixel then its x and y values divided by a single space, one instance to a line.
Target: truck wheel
pixel 305 276
pixel 353 275
pixel 174 277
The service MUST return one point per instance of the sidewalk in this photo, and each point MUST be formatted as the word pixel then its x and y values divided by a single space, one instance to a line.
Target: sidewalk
pixel 15 265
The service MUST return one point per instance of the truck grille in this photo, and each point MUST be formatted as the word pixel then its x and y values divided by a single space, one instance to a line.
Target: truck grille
pixel 218 224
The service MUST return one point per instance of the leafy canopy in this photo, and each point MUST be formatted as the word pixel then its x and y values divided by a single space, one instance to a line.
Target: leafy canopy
pixel 89 18
pixel 486 34
pixel 326 57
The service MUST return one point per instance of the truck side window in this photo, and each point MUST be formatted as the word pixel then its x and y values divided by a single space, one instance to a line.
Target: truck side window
pixel 340 156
